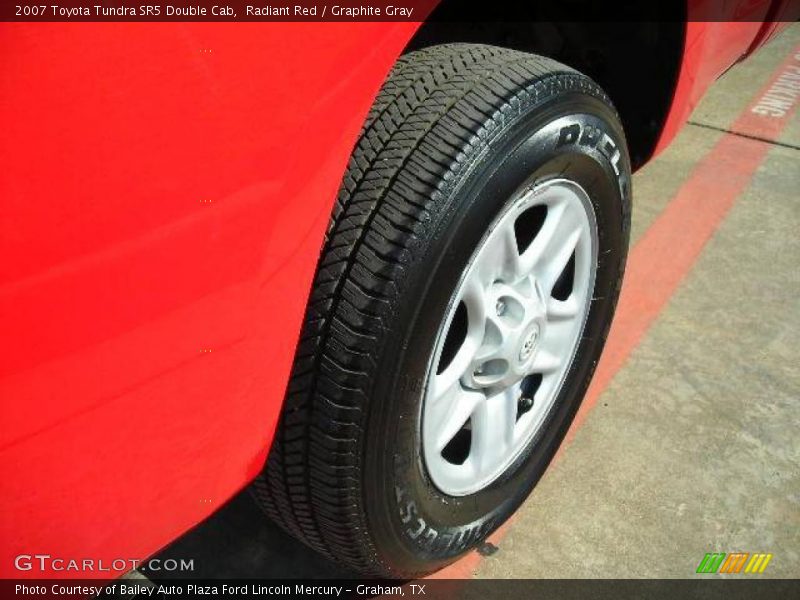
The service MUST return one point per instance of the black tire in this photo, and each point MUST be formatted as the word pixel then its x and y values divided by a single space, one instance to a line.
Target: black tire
pixel 454 132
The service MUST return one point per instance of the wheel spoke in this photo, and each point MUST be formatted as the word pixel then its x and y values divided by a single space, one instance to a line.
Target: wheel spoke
pixel 510 252
pixel 558 310
pixel 560 335
pixel 545 362
pixel 448 414
pixel 501 259
pixel 552 248
pixel 493 429
pixel 473 298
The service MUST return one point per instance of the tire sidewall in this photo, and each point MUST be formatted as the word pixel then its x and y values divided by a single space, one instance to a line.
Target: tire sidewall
pixel 571 135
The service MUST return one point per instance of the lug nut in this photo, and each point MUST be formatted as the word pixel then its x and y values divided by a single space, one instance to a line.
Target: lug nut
pixel 500 308
pixel 525 403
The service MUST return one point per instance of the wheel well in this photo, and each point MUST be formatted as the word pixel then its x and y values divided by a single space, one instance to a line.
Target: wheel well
pixel 636 63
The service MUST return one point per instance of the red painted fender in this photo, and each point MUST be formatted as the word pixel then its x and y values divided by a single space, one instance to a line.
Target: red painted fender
pixel 165 190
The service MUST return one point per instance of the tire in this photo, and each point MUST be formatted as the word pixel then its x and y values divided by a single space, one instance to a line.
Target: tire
pixel 455 133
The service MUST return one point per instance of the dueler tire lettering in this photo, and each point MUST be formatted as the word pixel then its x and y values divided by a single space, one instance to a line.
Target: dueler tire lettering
pixel 591 137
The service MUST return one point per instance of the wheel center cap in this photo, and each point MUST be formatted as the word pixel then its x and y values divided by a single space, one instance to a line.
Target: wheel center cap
pixel 529 340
